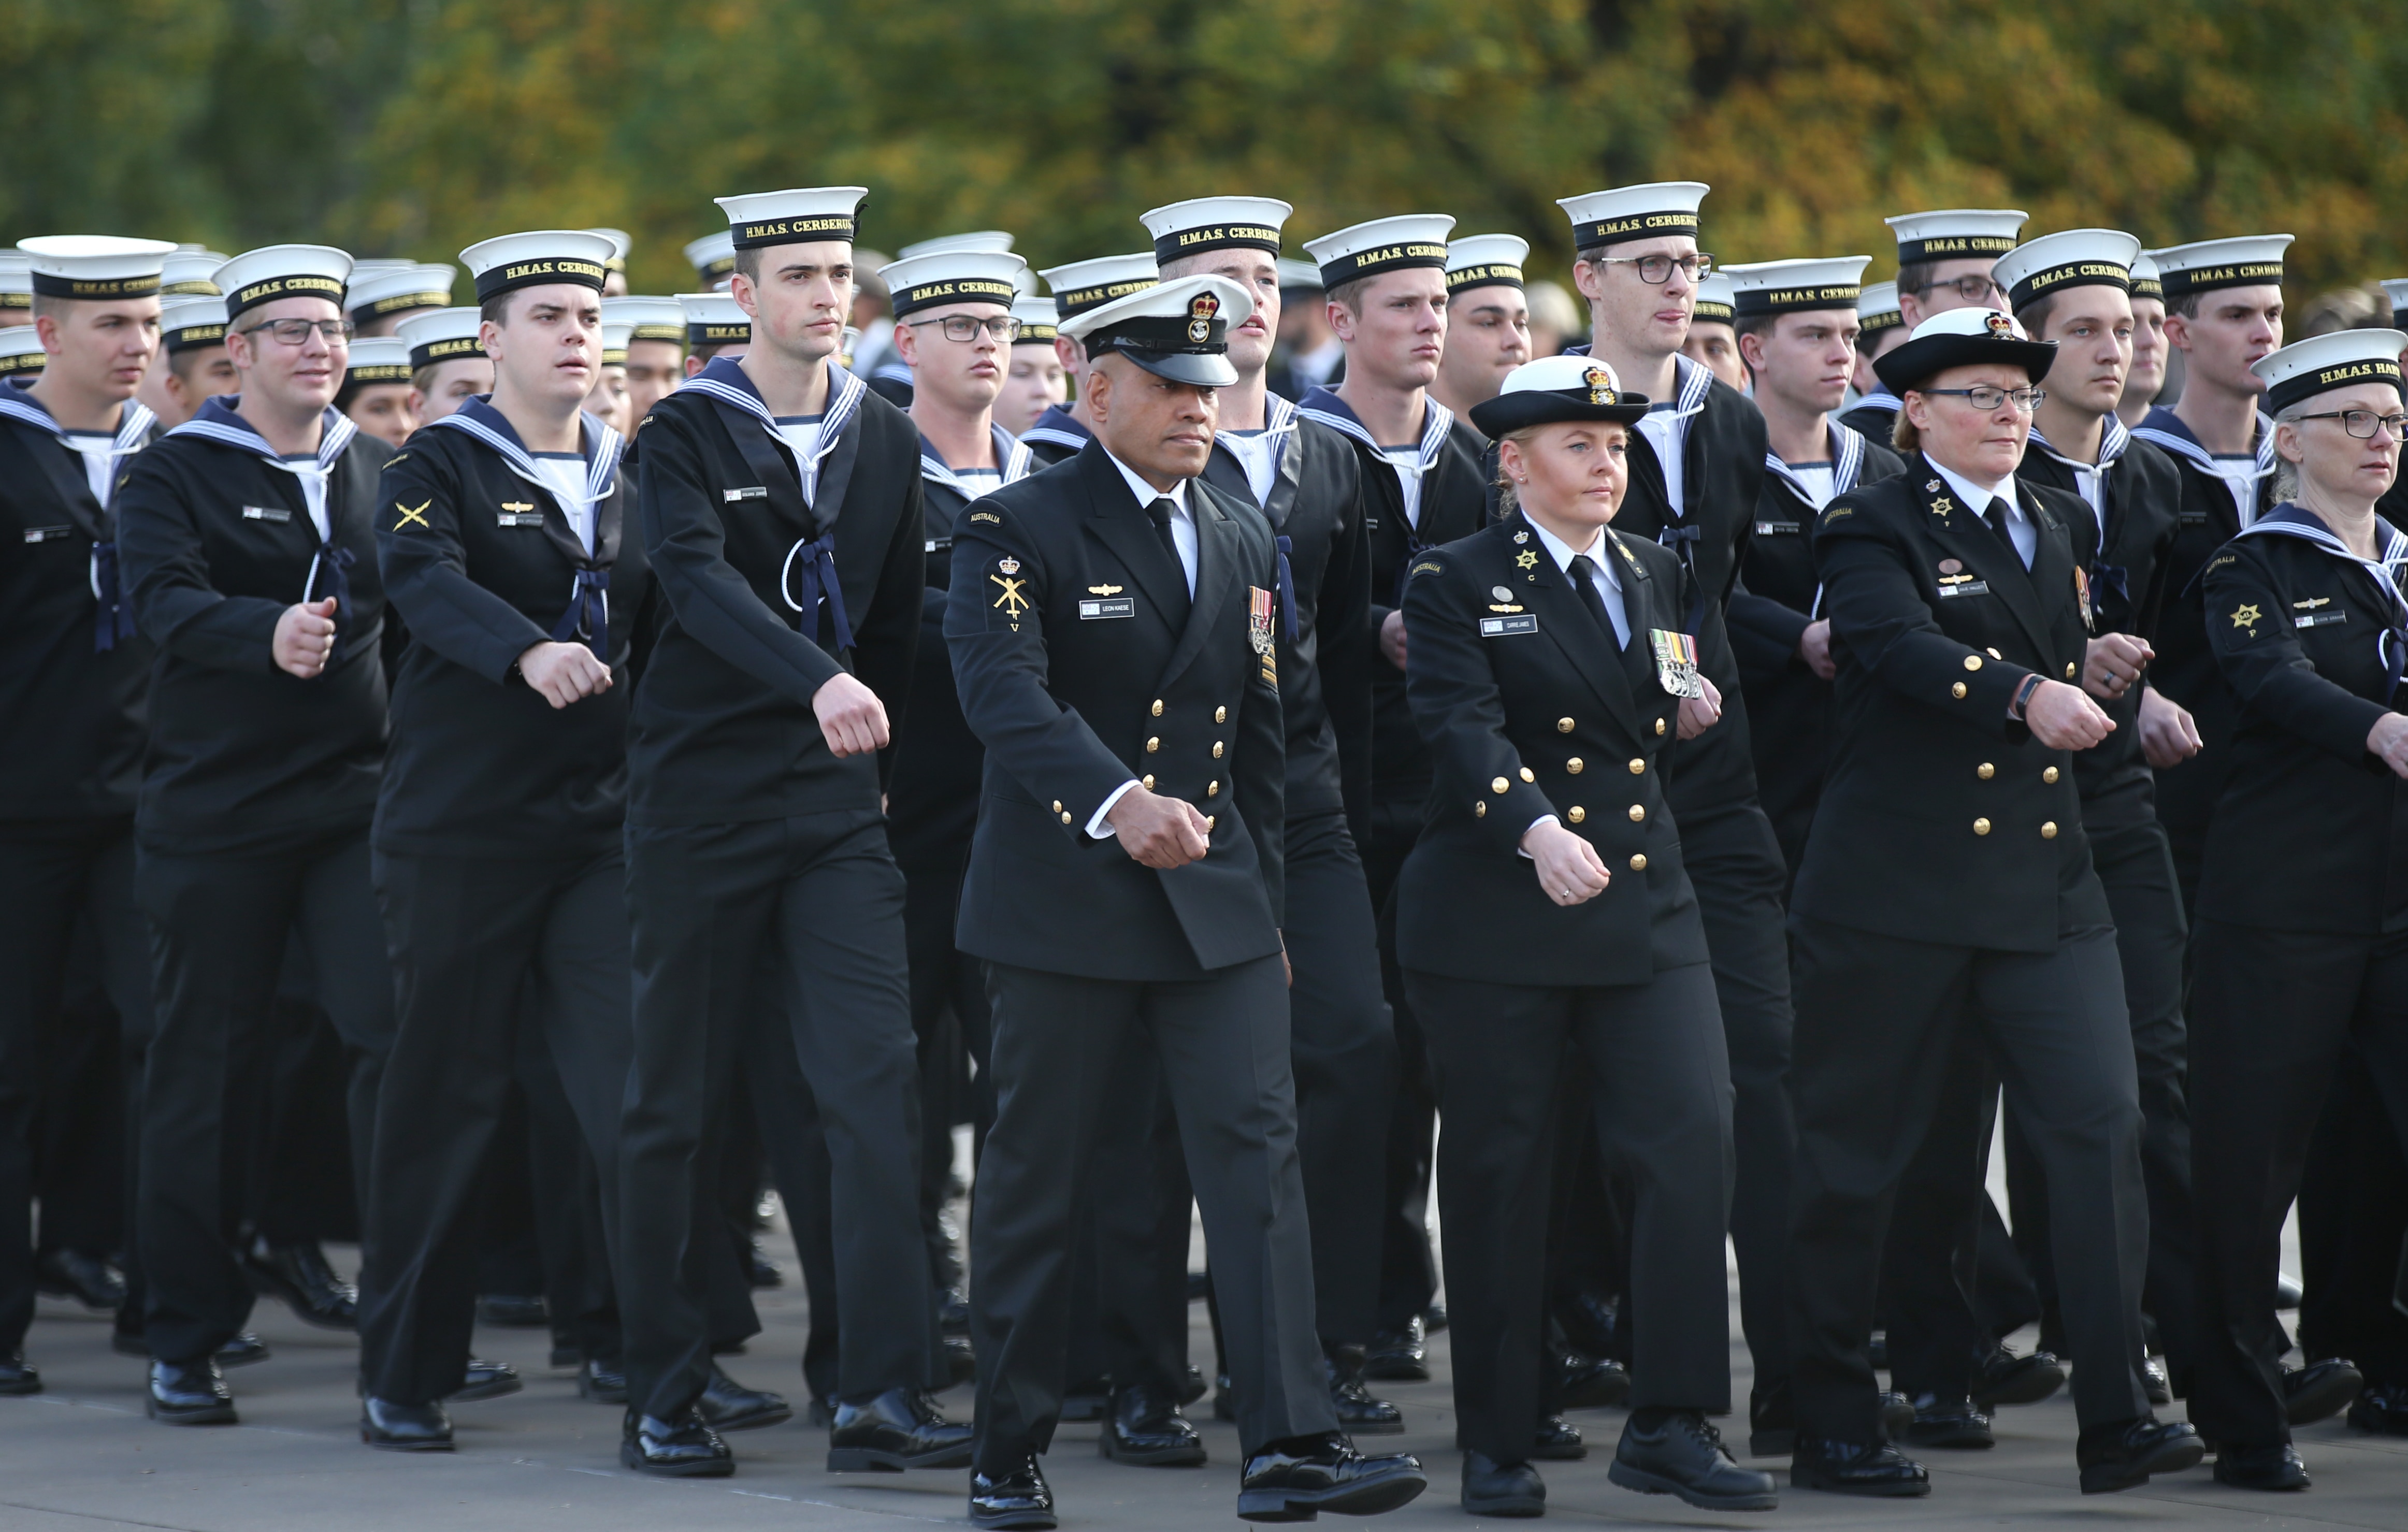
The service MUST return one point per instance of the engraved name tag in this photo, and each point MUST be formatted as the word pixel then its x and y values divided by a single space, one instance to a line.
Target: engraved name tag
pixel 47 534
pixel 2319 619
pixel 266 513
pixel 1970 587
pixel 750 491
pixel 1124 606
pixel 518 517
pixel 1765 529
pixel 1498 627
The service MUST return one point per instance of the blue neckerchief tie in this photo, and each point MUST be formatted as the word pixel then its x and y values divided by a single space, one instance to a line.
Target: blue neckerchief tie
pixel 338 560
pixel 588 617
pixel 113 620
pixel 815 581
pixel 1287 586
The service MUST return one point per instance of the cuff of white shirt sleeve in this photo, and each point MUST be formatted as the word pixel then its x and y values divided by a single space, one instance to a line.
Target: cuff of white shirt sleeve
pixel 1097 828
pixel 1542 819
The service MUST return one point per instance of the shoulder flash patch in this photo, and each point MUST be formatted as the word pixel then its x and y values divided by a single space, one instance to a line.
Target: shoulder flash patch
pixel 986 516
pixel 1425 567
pixel 2223 559
pixel 396 458
pixel 1837 512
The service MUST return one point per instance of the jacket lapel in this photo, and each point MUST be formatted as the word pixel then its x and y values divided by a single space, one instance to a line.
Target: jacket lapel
pixel 1120 524
pixel 1962 531
pixel 1564 618
pixel 1216 566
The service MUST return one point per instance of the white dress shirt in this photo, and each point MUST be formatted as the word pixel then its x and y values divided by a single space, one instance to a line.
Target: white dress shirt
pixel 1183 537
pixel 1977 497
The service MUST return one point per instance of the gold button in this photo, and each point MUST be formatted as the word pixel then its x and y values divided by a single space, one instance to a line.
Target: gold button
pixel 1576 765
pixel 1208 822
pixel 1659 729
pixel 1638 814
pixel 1480 811
pixel 1220 715
pixel 1528 776
pixel 2049 776
pixel 1058 802
pixel 1994 655
pixel 1576 813
pixel 1214 791
pixel 1986 772
pixel 1981 826
pixel 1973 662
pixel 1499 785
pixel 1158 707
pixel 2048 830
pixel 1147 782
pixel 1563 726
pixel 1957 691
pixel 1066 819
pixel 1639 863
pixel 2069 669
pixel 1637 767
pixel 1217 749
pixel 1153 745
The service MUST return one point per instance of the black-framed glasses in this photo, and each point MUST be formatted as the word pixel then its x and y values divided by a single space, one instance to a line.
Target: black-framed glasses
pixel 1656 270
pixel 1986 398
pixel 2361 424
pixel 296 332
pixel 1971 288
pixel 966 327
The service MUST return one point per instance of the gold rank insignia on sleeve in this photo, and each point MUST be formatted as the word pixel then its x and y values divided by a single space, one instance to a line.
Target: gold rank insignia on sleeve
pixel 1014 600
pixel 413 514
pixel 2245 617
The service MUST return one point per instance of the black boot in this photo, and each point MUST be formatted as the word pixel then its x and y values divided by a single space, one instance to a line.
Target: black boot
pixel 727 1405
pixel 2123 1454
pixel 17 1376
pixel 484 1380
pixel 1018 1498
pixel 1856 1468
pixel 1491 1488
pixel 1558 1441
pixel 1948 1422
pixel 87 1278
pixel 2277 1467
pixel 2320 1390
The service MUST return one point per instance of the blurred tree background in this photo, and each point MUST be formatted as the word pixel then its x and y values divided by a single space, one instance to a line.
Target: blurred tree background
pixel 414 127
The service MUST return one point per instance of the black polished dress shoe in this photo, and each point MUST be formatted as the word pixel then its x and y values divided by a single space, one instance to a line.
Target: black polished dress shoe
pixel 2320 1389
pixel 1297 1479
pixel 1397 1357
pixel 1683 1455
pixel 1897 1413
pixel 683 1448
pixel 87 1278
pixel 18 1376
pixel 1856 1468
pixel 1590 1382
pixel 405 1427
pixel 1491 1488
pixel 727 1405
pixel 299 1275
pixel 2154 1380
pixel 2123 1454
pixel 1146 1430
pixel 1019 1499
pixel 241 1352
pixel 1558 1441
pixel 1089 1398
pixel 899 1429
pixel 2004 1377
pixel 2277 1467
pixel 603 1380
pixel 761 1271
pixel 187 1395
pixel 514 1310
pixel 1358 1414
pixel 485 1381
pixel 2381 1410
pixel 1949 1423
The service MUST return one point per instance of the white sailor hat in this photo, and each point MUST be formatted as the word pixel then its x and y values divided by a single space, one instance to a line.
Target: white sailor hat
pixel 985 240
pixel 189 323
pixel 1380 246
pixel 1203 224
pixel 2075 258
pixel 1556 389
pixel 714 319
pixel 20 351
pixel 282 271
pixel 1796 286
pixel 2395 288
pixel 800 215
pixel 440 335
pixel 1083 285
pixel 1956 233
pixel 1877 309
pixel 846 340
pixel 1715 301
pixel 647 318
pixel 399 291
pixel 16 281
pixel 1485 260
pixel 1624 213
pixel 1039 321
pixel 2147 283
pixel 713 257
pixel 185 272
pixel 958 276
pixel 1963 337
pixel 377 265
pixel 377 359
pixel 616 332
pixel 620 245
pixel 95 265
pixel 1178 329
pixel 2251 260
pixel 1297 275
pixel 538 258
pixel 2305 369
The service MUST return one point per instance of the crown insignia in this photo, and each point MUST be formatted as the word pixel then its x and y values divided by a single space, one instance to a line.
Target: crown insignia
pixel 1600 382
pixel 1199 317
pixel 2002 326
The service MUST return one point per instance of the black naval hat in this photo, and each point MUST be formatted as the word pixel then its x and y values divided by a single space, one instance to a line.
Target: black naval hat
pixel 1178 330
pixel 1555 389
pixel 1963 337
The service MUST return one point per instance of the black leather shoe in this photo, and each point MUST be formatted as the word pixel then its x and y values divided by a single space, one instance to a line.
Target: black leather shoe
pixel 684 1448
pixel 1558 1441
pixel 1019 1499
pixel 18 1376
pixel 1948 1422
pixel 1146 1430
pixel 2381 1410
pixel 2277 1467
pixel 761 1271
pixel 2153 1381
pixel 485 1381
pixel 1591 1382
pixel 727 1405
pixel 899 1429
pixel 1856 1468
pixel 87 1278
pixel 241 1352
pixel 2320 1389
pixel 1491 1488
pixel 1434 1319
pixel 514 1310
pixel 1684 1457
pixel 299 1275
pixel 405 1427
pixel 1897 1413
pixel 1090 1399
pixel 1397 1357
pixel 1358 1414
pixel 2004 1377
pixel 603 1380
pixel 1296 1480
pixel 2123 1456
pixel 189 1394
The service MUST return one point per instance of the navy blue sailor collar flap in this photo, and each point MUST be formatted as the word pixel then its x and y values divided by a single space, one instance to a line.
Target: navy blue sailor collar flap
pixel 135 424
pixel 819 484
pixel 1011 456
pixel 598 443
pixel 2386 569
pixel 1847 461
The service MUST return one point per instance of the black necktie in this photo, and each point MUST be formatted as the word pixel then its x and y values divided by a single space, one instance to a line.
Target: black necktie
pixel 1584 573
pixel 1160 514
pixel 1994 515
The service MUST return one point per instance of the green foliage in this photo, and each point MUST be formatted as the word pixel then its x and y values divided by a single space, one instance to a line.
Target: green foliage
pixel 417 126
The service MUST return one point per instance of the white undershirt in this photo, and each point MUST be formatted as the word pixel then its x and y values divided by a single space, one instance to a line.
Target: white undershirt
pixel 1183 537
pixel 564 475
pixel 1407 461
pixel 1816 479
pixel 976 482
pixel 304 466
pixel 97 449
pixel 1257 451
pixel 1666 430
pixel 801 434
pixel 1977 497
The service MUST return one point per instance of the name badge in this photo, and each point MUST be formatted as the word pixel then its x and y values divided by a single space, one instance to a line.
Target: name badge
pixel 938 545
pixel 518 517
pixel 1089 611
pixel 1765 529
pixel 2319 619
pixel 2191 518
pixel 750 491
pixel 1499 627
pixel 266 513
pixel 1676 663
pixel 1964 587
pixel 47 534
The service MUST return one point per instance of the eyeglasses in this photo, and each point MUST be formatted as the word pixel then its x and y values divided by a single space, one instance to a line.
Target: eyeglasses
pixel 1656 270
pixel 1971 289
pixel 966 327
pixel 2362 423
pixel 1987 399
pixel 296 332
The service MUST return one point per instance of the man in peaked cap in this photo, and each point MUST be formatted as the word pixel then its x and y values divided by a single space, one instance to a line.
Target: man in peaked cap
pixel 1081 286
pixel 1113 623
pixel 1487 319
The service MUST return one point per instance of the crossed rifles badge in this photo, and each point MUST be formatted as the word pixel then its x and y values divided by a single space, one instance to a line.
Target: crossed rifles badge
pixel 413 513
pixel 1013 600
pixel 1199 318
